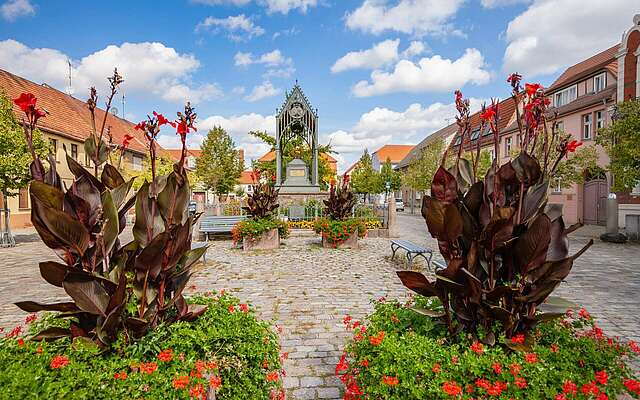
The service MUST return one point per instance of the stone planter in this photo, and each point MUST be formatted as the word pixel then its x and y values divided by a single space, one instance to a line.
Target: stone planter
pixel 267 241
pixel 350 243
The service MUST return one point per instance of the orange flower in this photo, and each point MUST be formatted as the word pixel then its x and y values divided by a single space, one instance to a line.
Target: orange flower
pixel 165 355
pixel 59 361
pixel 451 388
pixel 272 377
pixel 215 382
pixel 148 368
pixel 436 368
pixel 364 363
pixel 180 382
pixel 120 375
pixel 376 340
pixel 232 309
pixel 390 380
pixel 531 358
pixel 197 391
pixel 477 348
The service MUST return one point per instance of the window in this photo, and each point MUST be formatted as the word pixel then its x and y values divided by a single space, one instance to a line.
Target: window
pixel 487 130
pixel 636 189
pixel 560 126
pixel 191 162
pixel 586 127
pixel 23 198
pixel 475 134
pixel 492 154
pixel 557 187
pixel 599 120
pixel 137 162
pixel 53 147
pixel 87 159
pixel 565 96
pixel 599 82
pixel 458 141
pixel 74 151
pixel 507 145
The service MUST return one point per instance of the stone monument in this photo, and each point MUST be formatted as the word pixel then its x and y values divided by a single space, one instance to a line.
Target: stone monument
pixel 297 178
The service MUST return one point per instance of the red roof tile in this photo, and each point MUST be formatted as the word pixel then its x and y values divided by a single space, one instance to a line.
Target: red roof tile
pixel 395 152
pixel 68 116
pixel 603 60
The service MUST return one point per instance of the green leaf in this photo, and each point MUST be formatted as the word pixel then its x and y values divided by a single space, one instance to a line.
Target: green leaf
pixel 428 312
pixel 111 224
pixel 110 177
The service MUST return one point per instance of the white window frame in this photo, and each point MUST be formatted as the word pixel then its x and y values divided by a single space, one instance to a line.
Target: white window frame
pixel 602 79
pixel 137 166
pixel 587 127
pixel 565 96
pixel 636 190
pixel 599 120
pixel 557 187
pixel 560 126
pixel 492 154
pixel 507 145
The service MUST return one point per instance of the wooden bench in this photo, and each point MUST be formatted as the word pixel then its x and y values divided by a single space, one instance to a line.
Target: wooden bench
pixel 222 224
pixel 412 249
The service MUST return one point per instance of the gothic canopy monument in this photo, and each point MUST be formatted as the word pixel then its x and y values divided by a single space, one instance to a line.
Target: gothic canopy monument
pixel 296 119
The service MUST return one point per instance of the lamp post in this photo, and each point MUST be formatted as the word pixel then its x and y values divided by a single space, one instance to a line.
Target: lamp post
pixel 612 234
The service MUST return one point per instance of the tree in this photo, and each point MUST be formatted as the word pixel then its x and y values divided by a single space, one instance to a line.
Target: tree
pixel 296 148
pixel 421 170
pixel 15 158
pixel 621 140
pixel 365 180
pixel 219 166
pixel 390 175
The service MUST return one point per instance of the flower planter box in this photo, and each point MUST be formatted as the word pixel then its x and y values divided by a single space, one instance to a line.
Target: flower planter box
pixel 267 241
pixel 350 243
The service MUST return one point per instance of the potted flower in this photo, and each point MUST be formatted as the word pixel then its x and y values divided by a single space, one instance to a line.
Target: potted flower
pixel 262 230
pixel 338 228
pixel 486 326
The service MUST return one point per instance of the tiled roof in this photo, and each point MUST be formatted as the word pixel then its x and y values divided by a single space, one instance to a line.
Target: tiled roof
pixel 506 117
pixel 585 101
pixel 246 178
pixel 394 152
pixel 176 153
pixel 603 60
pixel 351 168
pixel 270 156
pixel 68 116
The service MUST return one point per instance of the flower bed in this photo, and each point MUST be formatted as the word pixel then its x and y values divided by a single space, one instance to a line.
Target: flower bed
pixel 227 350
pixel 400 354
pixel 336 231
pixel 310 224
pixel 254 228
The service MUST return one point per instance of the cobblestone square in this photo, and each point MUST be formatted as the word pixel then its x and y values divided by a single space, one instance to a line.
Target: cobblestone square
pixel 307 290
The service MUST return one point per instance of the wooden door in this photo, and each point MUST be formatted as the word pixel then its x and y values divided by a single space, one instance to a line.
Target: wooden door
pixel 595 202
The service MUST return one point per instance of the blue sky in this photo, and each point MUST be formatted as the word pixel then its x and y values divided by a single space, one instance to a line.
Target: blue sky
pixel 379 71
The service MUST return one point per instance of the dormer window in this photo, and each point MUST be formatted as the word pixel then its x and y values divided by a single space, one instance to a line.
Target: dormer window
pixel 475 134
pixel 565 96
pixel 191 162
pixel 599 82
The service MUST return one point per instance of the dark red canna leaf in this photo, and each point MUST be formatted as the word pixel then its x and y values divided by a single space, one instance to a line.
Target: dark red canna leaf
pixel 444 187
pixel 418 283
pixel 89 295
pixel 32 306
pixel 53 272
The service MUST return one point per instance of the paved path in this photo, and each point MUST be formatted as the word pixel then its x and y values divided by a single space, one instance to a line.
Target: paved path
pixel 307 290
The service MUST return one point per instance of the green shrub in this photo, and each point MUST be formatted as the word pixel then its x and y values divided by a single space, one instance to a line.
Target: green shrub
pixel 399 354
pixel 252 228
pixel 226 346
pixel 336 231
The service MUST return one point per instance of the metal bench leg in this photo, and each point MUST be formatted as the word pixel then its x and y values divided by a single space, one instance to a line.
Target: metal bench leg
pixel 393 255
pixel 410 259
pixel 427 259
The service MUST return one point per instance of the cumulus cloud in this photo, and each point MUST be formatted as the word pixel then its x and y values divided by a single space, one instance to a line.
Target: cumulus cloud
pixel 378 56
pixel 273 6
pixel 14 9
pixel 237 28
pixel 553 34
pixel 238 127
pixel 150 68
pixel 501 3
pixel 262 91
pixel 277 64
pixel 429 74
pixel 414 17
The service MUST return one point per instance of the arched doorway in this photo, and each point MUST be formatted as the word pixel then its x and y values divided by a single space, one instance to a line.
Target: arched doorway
pixel 595 195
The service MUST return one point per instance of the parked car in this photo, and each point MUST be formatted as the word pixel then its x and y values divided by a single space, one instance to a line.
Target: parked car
pixel 399 205
pixel 192 208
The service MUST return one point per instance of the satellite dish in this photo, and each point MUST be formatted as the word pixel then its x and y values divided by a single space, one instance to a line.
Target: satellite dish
pixel 114 111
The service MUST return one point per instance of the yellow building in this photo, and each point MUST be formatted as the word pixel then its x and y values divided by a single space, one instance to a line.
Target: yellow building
pixel 66 126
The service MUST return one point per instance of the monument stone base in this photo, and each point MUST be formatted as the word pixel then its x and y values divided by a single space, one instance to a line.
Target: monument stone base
pixel 287 199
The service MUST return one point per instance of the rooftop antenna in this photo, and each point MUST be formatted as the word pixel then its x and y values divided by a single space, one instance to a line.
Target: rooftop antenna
pixel 70 88
pixel 123 102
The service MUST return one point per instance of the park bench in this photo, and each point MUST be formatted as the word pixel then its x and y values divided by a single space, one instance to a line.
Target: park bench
pixel 218 224
pixel 412 249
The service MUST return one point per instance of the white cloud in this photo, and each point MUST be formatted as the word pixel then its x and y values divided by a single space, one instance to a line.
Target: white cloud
pixel 501 3
pixel 237 27
pixel 13 9
pixel 238 127
pixel 553 34
pixel 284 6
pixel 430 74
pixel 415 49
pixel 243 59
pixel 414 17
pixel 277 64
pixel 378 56
pixel 238 90
pixel 150 68
pixel 259 92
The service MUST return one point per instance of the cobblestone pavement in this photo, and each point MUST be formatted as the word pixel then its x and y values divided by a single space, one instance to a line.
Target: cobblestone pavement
pixel 307 290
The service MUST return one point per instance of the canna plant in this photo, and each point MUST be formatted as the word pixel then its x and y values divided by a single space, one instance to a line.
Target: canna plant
pixel 264 199
pixel 339 205
pixel 114 288
pixel 505 247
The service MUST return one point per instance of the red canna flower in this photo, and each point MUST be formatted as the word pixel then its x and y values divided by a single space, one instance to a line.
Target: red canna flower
pixel 162 120
pixel 489 114
pixel 59 361
pixel 514 79
pixel 477 348
pixel 602 377
pixel 140 126
pixel 165 355
pixel 532 88
pixel 125 141
pixel 215 382
pixel 390 380
pixel 451 388
pixel 26 102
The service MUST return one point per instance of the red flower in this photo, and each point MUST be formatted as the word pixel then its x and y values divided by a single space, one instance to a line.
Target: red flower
pixel 514 79
pixel 521 382
pixel 182 129
pixel 554 348
pixel 26 102
pixel 165 355
pixel 272 377
pixel 394 319
pixel 560 396
pixel 515 369
pixel 180 382
pixel 483 383
pixel 140 126
pixel 148 368
pixel 477 348
pixel 30 318
pixel 489 114
pixel 632 385
pixel 21 342
pixel 120 375
pixel 232 308
pixel 347 321
pixel 376 340
pixel 364 363
pixel 602 396
pixel 14 332
pixel 496 389
pixel 634 346
pixel 215 382
pixel 531 358
pixel 497 368
pixel 569 388
pixel 277 394
pixel 244 308
pixel 532 88
pixel 390 380
pixel 162 120
pixel 451 388
pixel 602 377
pixel 436 368
pixel 590 388
pixel 571 147
pixel 454 359
pixel 197 391
pixel 518 339
pixel 59 361
pixel 125 141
